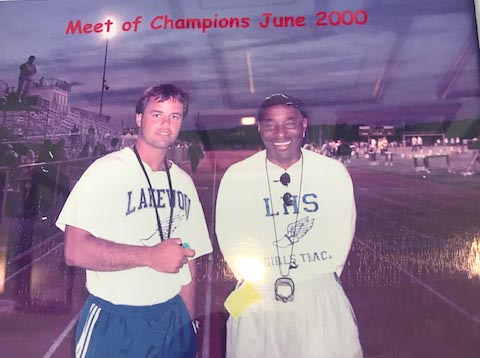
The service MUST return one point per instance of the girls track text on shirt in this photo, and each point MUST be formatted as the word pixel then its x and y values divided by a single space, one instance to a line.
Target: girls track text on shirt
pixel 160 198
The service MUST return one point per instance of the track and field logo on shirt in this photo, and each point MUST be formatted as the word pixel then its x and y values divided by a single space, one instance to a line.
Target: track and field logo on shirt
pixel 154 238
pixel 295 231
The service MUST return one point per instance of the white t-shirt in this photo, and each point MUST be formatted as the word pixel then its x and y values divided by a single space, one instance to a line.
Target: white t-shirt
pixel 254 226
pixel 113 201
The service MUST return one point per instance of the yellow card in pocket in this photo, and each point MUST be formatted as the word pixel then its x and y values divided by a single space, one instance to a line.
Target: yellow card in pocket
pixel 241 298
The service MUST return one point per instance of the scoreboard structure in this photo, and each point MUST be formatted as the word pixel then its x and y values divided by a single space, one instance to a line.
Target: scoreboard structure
pixel 377 131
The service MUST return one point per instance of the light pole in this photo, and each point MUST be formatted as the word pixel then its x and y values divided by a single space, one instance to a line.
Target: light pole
pixel 104 86
pixel 107 35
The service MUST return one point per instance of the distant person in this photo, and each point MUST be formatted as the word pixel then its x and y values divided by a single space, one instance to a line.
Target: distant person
pixel 59 152
pixel 99 150
pixel 195 153
pixel 114 144
pixel 63 184
pixel 74 137
pixel 414 144
pixel 383 145
pixel 420 142
pixel 27 72
pixel 42 193
pixel 344 152
pixel 324 150
pixel 85 152
pixel 309 146
pixel 91 136
pixel 45 153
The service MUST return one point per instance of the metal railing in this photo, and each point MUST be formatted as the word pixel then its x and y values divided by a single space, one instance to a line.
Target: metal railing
pixel 18 182
pixel 31 198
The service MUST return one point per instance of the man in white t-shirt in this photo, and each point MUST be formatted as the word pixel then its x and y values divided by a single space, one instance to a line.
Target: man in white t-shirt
pixel 285 220
pixel 134 221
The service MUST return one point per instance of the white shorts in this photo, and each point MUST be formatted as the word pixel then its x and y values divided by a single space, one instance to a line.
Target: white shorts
pixel 318 323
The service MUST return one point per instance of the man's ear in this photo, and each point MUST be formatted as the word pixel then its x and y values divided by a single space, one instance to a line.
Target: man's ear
pixel 138 119
pixel 305 124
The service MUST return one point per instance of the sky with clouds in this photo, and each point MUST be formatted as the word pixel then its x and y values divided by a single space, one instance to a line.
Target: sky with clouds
pixel 331 68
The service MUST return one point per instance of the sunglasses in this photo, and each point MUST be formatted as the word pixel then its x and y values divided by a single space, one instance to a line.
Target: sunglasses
pixel 280 98
pixel 287 197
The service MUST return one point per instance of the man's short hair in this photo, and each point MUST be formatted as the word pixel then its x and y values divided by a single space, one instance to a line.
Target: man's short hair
pixel 279 99
pixel 162 93
pixel 31 58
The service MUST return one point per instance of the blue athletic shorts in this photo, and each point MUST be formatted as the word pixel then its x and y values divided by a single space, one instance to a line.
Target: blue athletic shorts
pixel 118 331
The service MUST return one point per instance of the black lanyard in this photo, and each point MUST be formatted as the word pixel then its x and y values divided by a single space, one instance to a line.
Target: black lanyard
pixel 171 198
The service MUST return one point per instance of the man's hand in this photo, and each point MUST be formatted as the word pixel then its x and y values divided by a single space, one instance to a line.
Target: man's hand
pixel 169 256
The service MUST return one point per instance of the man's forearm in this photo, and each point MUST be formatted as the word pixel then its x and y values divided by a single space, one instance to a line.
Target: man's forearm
pixel 84 250
pixel 87 251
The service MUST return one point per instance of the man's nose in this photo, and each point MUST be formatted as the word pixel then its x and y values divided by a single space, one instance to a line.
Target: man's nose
pixel 165 121
pixel 280 131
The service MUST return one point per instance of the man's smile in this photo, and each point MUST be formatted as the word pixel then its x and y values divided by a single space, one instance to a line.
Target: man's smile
pixel 282 144
pixel 163 133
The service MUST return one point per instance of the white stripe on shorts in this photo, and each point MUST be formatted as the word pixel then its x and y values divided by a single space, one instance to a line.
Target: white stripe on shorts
pixel 82 345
